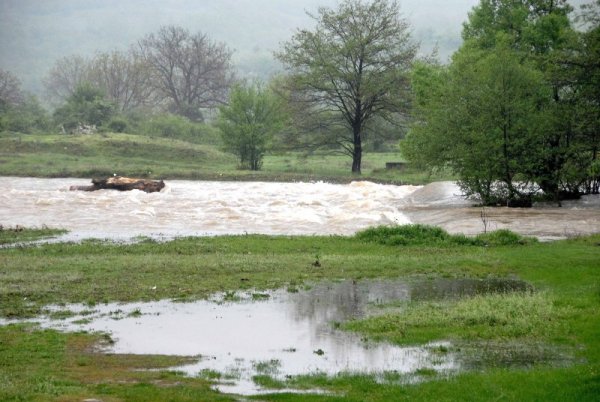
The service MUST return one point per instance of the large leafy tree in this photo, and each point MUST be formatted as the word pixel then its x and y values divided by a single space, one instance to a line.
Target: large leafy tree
pixel 480 116
pixel 508 113
pixel 254 114
pixel 584 62
pixel 351 69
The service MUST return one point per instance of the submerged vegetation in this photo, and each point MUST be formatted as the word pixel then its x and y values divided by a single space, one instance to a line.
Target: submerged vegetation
pixel 21 234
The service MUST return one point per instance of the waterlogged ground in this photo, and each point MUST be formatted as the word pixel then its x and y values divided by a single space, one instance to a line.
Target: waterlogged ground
pixel 292 332
pixel 196 208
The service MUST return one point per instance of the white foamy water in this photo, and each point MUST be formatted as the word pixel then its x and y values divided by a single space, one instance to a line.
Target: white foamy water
pixel 197 208
pixel 201 208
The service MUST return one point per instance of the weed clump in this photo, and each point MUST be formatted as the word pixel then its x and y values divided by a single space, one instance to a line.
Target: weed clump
pixel 425 235
pixel 504 237
pixel 515 315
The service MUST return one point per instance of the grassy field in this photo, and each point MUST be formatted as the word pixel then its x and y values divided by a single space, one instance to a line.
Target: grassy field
pixel 564 311
pixel 103 154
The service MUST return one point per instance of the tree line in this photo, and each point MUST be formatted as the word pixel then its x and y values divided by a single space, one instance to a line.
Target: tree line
pixel 515 113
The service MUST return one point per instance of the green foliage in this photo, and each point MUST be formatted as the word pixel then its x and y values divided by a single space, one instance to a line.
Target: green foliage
pixel 531 25
pixel 248 123
pixel 177 127
pixel 504 237
pixel 509 115
pixel 407 235
pixel 26 117
pixel 87 105
pixel 491 316
pixel 424 235
pixel 350 70
pixel 117 125
pixel 479 117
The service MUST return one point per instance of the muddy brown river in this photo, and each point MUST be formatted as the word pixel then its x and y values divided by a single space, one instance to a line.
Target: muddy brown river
pixel 200 208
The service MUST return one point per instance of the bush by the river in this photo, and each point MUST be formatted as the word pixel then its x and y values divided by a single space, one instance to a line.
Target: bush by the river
pixel 422 235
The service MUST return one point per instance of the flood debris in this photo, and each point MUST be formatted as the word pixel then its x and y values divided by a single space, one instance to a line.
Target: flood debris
pixel 122 183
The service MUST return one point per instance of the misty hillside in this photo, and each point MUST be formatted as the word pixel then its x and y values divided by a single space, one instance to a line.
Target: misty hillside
pixel 35 33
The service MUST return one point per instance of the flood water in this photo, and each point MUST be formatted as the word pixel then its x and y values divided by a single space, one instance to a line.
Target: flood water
pixel 284 333
pixel 187 208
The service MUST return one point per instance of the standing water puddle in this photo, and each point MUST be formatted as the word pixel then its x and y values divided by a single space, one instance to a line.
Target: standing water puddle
pixel 281 333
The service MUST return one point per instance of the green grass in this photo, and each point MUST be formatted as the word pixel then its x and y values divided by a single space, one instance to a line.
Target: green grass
pixel 48 365
pixel 103 154
pixel 19 234
pixel 492 316
pixel 425 235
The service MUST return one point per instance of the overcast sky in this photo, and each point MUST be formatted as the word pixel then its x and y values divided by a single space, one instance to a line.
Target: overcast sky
pixel 35 33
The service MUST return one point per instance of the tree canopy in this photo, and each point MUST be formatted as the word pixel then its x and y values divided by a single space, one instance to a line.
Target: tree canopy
pixel 351 68
pixel 254 114
pixel 508 113
pixel 191 71
pixel 86 106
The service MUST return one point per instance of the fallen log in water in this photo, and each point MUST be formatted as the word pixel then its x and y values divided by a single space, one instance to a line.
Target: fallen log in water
pixel 122 184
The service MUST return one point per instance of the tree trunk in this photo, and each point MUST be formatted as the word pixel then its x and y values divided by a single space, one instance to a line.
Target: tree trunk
pixel 357 150
pixel 122 184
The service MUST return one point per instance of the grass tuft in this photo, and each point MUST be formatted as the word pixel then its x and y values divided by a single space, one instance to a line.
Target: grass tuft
pixel 18 234
pixel 425 235
pixel 491 316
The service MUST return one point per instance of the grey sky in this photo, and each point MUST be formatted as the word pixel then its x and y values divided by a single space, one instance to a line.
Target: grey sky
pixel 35 33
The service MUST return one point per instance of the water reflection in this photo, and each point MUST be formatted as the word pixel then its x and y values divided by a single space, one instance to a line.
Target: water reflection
pixel 290 333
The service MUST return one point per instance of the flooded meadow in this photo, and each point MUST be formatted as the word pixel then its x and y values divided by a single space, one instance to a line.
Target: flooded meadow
pixel 237 336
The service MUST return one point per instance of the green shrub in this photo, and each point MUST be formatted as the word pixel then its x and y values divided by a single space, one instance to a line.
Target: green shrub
pixel 178 127
pixel 87 105
pixel 404 235
pixel 422 235
pixel 504 237
pixel 118 125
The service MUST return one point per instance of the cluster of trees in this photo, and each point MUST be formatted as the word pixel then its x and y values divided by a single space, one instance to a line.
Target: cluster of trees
pixel 347 80
pixel 516 114
pixel 19 111
pixel 171 70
